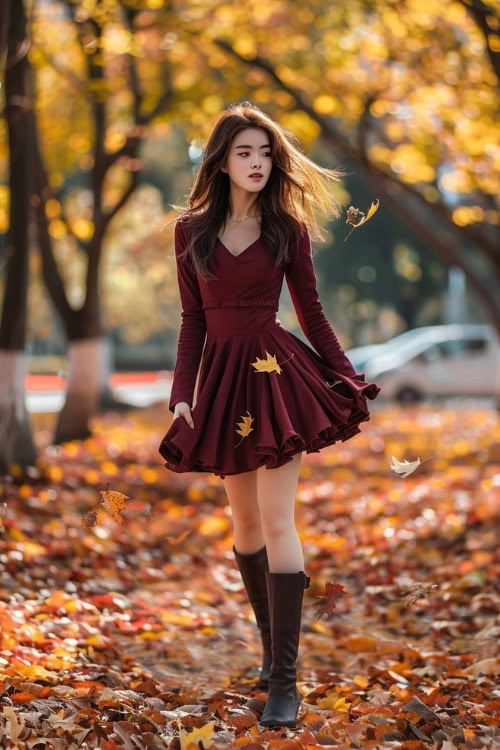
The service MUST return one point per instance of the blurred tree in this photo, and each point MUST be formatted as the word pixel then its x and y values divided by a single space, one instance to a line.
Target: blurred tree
pixel 4 30
pixel 115 156
pixel 16 441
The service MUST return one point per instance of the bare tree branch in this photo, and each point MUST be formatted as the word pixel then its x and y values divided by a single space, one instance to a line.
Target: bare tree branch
pixel 50 271
pixel 66 73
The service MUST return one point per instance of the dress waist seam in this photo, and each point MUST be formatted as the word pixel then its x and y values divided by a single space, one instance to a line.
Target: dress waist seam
pixel 217 303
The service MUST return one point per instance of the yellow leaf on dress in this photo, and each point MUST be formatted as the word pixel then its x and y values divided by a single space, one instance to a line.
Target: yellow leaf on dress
pixel 269 364
pixel 245 426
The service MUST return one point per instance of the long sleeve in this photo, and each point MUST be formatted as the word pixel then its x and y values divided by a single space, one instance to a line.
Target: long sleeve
pixel 193 327
pixel 302 284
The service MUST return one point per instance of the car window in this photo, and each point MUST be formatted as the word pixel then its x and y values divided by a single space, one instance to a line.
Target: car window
pixel 462 347
pixel 429 354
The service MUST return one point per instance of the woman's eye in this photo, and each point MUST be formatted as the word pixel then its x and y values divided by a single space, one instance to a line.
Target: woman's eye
pixel 247 152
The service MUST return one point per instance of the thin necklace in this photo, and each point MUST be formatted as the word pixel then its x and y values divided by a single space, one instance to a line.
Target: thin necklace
pixel 246 217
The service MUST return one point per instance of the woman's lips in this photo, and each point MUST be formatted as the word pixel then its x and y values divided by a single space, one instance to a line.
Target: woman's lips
pixel 256 177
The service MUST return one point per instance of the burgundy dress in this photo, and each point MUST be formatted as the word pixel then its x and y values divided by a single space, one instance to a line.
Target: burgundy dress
pixel 263 394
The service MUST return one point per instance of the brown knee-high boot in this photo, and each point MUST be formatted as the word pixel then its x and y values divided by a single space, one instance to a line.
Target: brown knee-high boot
pixel 253 568
pixel 286 593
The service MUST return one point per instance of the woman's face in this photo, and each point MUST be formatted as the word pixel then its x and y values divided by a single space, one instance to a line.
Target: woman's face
pixel 250 151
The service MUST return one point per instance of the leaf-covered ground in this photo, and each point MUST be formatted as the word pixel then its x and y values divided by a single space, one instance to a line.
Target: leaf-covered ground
pixel 139 634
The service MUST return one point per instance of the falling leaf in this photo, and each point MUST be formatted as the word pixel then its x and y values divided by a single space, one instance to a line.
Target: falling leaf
pixel 422 590
pixel 405 467
pixel 180 538
pixel 268 365
pixel 90 520
pixel 416 589
pixel 246 428
pixel 114 502
pixel 352 214
pixel 333 591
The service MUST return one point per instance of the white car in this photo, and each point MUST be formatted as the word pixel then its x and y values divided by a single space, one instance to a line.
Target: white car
pixel 444 360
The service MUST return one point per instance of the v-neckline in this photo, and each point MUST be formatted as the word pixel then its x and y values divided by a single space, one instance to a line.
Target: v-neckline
pixel 243 251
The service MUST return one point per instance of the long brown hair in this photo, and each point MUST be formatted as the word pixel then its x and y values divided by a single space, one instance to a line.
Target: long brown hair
pixel 296 185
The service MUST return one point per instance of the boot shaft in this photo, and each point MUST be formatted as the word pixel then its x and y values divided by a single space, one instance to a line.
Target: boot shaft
pixel 253 568
pixel 286 594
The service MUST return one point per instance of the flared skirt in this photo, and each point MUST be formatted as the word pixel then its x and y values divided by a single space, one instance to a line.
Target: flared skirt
pixel 262 398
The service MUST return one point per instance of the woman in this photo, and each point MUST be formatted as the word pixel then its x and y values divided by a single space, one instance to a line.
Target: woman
pixel 263 395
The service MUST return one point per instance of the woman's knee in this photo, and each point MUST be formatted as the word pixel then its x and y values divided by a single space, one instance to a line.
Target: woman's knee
pixel 247 526
pixel 275 528
pixel 241 491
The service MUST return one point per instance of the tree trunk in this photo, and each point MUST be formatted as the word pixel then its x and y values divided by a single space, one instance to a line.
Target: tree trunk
pixel 89 368
pixel 4 29
pixel 107 402
pixel 16 441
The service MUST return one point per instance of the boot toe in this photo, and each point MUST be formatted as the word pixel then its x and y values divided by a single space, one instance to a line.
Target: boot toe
pixel 281 711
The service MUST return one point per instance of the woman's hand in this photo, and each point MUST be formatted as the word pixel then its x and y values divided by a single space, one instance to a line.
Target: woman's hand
pixel 183 409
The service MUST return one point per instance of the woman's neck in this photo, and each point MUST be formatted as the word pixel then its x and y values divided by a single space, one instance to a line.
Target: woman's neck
pixel 239 210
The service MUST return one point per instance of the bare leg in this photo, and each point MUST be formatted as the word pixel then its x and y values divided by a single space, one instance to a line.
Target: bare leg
pixel 276 490
pixel 251 557
pixel 241 491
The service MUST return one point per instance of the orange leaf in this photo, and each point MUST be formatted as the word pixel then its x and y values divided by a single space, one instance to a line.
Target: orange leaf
pixel 22 697
pixel 114 502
